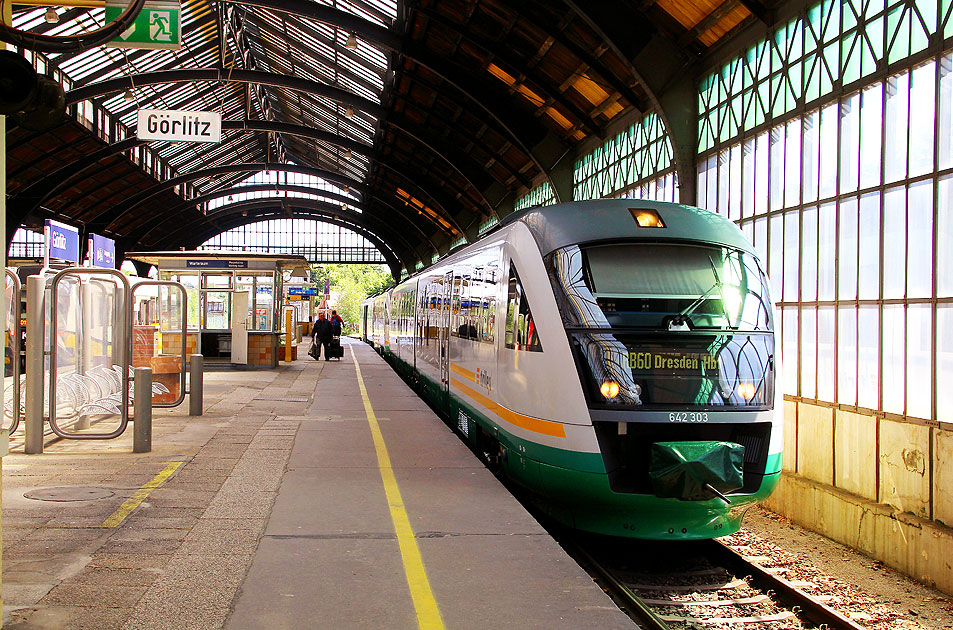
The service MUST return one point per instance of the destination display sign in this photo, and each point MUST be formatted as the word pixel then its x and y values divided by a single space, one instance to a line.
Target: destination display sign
pixel 216 264
pixel 176 125
pixel 672 361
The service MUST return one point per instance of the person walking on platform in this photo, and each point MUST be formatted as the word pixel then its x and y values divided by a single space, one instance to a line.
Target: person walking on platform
pixel 321 336
pixel 336 324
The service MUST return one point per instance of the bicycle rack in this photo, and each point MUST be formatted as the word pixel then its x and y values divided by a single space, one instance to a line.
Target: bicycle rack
pixel 15 346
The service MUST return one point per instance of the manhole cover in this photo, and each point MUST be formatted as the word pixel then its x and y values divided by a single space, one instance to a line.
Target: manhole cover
pixel 68 493
pixel 284 398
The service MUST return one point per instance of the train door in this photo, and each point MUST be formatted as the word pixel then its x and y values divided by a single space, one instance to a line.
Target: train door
pixel 364 332
pixel 445 307
pixel 385 320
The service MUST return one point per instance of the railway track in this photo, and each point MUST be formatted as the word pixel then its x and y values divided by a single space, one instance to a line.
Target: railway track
pixel 703 584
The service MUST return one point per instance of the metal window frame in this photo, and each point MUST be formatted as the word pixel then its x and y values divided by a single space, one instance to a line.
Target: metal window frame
pixel 908 66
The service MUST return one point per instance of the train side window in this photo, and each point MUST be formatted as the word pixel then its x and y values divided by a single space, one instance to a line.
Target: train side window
pixel 421 307
pixel 458 314
pixel 521 333
pixel 482 306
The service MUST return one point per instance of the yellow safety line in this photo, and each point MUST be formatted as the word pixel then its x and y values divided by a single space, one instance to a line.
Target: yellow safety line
pixel 428 614
pixel 133 502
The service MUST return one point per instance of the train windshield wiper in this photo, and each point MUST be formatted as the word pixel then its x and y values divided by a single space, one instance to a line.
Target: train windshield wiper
pixel 680 323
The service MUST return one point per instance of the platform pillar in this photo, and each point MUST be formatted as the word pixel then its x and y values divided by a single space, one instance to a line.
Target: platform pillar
pixel 35 333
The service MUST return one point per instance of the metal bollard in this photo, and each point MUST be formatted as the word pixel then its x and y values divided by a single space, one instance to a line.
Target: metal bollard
pixel 196 366
pixel 35 333
pixel 142 404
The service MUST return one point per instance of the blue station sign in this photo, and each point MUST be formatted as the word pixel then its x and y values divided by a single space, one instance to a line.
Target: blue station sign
pixel 63 241
pixel 303 291
pixel 102 251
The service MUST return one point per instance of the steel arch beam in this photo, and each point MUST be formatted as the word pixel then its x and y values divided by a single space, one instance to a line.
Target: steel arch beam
pixel 387 204
pixel 589 125
pixel 380 35
pixel 105 219
pixel 102 221
pixel 269 211
pixel 141 234
pixel 192 235
pixel 670 89
pixel 32 197
pixel 160 220
pixel 442 156
pixel 357 147
pixel 390 40
pixel 440 202
pixel 223 75
pixel 299 130
pixel 394 263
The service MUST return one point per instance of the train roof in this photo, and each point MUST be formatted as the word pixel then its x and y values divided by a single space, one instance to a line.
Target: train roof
pixel 582 222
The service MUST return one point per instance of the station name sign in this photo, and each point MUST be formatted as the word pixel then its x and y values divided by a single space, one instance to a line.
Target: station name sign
pixel 179 125
pixel 216 264
pixel 102 251
pixel 63 241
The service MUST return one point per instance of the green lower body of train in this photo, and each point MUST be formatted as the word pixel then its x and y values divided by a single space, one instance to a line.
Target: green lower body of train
pixel 574 488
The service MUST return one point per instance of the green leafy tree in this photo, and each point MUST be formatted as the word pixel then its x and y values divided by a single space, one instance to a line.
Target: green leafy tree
pixel 352 284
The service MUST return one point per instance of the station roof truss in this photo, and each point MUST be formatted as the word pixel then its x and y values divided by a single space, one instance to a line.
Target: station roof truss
pixel 427 118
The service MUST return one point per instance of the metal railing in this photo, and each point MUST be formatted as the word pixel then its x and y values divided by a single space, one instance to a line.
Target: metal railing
pixel 15 347
pixel 122 338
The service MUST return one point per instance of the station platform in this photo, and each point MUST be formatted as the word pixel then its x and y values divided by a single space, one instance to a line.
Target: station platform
pixel 318 495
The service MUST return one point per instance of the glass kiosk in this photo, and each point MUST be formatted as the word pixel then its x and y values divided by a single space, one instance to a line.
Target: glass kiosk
pixel 234 301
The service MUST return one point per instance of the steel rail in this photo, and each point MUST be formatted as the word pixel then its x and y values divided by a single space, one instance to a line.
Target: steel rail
pixel 637 609
pixel 804 604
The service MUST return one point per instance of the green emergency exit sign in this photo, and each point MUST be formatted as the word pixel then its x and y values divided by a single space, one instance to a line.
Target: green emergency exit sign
pixel 158 25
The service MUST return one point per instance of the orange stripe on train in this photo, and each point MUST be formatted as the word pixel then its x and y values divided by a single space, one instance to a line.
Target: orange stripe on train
pixel 545 427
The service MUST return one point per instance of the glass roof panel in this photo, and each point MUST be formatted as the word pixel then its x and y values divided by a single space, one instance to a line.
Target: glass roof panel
pixel 268 41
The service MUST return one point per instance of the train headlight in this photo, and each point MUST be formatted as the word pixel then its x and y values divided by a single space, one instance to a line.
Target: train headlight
pixel 609 390
pixel 646 217
pixel 746 390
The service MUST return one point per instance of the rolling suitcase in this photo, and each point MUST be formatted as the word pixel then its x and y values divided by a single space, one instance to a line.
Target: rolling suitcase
pixel 335 349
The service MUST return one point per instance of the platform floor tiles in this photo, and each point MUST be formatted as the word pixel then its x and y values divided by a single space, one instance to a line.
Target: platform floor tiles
pixel 272 511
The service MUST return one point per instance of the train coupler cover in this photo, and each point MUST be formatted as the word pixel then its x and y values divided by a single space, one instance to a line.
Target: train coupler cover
pixel 682 470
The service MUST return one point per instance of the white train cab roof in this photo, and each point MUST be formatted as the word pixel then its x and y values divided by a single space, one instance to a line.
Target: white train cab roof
pixel 584 222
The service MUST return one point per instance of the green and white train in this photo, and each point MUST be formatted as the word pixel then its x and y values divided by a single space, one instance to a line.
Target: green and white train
pixel 615 357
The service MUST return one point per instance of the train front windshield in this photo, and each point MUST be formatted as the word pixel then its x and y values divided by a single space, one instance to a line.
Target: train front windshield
pixel 668 326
